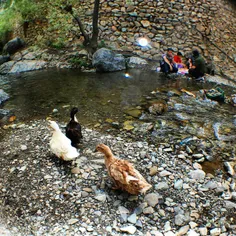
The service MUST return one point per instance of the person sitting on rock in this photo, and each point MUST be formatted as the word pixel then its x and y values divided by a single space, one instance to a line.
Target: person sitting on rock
pixel 197 65
pixel 167 63
pixel 178 60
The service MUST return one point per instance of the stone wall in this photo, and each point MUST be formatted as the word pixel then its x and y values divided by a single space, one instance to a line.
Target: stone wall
pixel 208 25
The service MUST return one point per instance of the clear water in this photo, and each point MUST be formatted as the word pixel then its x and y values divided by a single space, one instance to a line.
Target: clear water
pixel 98 96
pixel 35 95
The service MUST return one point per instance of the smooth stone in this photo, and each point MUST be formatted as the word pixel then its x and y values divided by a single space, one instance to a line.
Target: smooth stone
pixel 165 173
pixel 197 174
pixel 191 232
pixel 183 230
pixel 129 229
pixel 123 210
pixel 132 218
pixel 203 231
pixel 152 199
pixel 148 210
pixel 72 221
pixel 178 184
pixel 215 232
pixel 179 219
pixel 161 185
pixel 153 170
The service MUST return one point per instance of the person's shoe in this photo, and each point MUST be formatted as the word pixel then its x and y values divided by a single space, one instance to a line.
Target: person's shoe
pixel 200 79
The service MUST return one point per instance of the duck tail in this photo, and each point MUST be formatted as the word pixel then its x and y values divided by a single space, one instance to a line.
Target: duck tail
pixel 74 110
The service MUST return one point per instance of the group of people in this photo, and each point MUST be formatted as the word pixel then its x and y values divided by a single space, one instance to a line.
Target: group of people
pixel 172 63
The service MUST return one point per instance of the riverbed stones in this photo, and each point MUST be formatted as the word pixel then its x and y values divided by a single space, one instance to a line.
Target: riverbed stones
pixel 42 181
pixel 105 60
pixel 136 62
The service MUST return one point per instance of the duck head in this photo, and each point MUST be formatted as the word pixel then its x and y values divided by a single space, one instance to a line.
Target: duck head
pixel 73 111
pixel 53 125
pixel 103 149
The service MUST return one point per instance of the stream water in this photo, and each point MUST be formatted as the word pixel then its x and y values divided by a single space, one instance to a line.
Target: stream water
pixel 99 97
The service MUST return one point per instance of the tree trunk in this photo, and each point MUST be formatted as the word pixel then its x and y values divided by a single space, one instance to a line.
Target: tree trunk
pixel 94 39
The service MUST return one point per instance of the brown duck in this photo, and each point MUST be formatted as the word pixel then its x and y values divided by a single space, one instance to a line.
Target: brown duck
pixel 124 175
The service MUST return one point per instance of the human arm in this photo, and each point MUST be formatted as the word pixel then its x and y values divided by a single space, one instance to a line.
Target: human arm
pixel 167 61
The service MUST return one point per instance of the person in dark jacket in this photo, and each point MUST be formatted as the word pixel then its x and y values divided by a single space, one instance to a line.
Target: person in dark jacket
pixel 167 63
pixel 197 65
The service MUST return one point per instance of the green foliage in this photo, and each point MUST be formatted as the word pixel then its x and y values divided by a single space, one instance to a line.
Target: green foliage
pixel 15 12
pixel 28 9
pixel 79 62
pixel 102 44
pixel 59 43
pixel 8 19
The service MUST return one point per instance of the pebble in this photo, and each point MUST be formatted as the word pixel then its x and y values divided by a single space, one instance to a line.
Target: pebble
pixel 215 232
pixel 197 174
pixel 203 231
pixel 129 229
pixel 153 170
pixel 183 230
pixel 23 147
pixel 161 186
pixel 178 184
pixel 152 199
pixel 132 218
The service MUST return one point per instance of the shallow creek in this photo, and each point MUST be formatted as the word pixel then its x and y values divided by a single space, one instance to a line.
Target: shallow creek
pixel 119 102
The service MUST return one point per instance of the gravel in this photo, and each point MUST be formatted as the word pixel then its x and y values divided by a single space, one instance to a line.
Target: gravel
pixel 41 195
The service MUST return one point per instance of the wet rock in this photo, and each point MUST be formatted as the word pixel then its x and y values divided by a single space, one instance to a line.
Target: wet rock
pixel 3 97
pixel 136 113
pixel 3 112
pixel 105 60
pixel 27 65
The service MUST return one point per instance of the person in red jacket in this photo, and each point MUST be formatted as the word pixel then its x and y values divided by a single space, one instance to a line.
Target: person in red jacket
pixel 178 60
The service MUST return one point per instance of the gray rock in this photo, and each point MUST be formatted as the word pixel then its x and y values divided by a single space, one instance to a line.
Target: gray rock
pixel 13 45
pixel 132 218
pixel 197 174
pixel 161 185
pixel 3 97
pixel 152 199
pixel 3 113
pixel 6 67
pixel 136 62
pixel 203 231
pixel 27 65
pixel 179 219
pixel 178 184
pixel 230 205
pixel 148 210
pixel 215 232
pixel 105 60
pixel 128 229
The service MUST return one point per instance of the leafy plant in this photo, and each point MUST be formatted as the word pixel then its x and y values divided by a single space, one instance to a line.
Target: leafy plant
pixel 80 62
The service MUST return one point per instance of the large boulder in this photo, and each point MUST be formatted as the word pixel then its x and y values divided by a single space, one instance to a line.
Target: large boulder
pixel 22 66
pixel 13 46
pixel 105 60
pixel 4 59
pixel 3 96
pixel 136 62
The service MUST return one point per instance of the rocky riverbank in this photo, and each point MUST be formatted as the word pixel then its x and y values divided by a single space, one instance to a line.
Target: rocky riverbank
pixel 41 195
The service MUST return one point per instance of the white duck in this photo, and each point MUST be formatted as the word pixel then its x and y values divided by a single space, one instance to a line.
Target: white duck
pixel 60 145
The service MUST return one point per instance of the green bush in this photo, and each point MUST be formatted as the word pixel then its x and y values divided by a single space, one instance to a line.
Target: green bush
pixel 78 62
